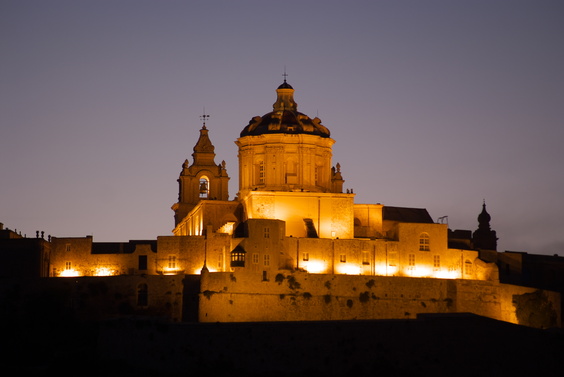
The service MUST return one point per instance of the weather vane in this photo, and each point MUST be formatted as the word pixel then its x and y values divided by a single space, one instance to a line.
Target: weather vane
pixel 204 117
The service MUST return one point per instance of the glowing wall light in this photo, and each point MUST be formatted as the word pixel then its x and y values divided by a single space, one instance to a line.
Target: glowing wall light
pixel 380 269
pixel 419 271
pixel 315 267
pixel 171 271
pixel 198 271
pixel 104 271
pixel 69 273
pixel 348 269
pixel 443 274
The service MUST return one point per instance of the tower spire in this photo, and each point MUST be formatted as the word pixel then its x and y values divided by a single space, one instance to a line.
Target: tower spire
pixel 484 237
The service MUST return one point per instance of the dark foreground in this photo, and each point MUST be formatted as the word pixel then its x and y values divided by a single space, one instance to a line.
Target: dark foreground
pixel 437 345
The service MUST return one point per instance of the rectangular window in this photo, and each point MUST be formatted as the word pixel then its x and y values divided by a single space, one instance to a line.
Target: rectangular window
pixel 365 259
pixel 305 256
pixel 171 261
pixel 68 247
pixel 343 258
pixel 68 266
pixel 142 262
pixel 437 261
pixel 266 232
pixel 266 260
pixel 468 267
pixel 424 244
pixel 393 259
pixel 411 260
pixel 261 173
pixel 255 258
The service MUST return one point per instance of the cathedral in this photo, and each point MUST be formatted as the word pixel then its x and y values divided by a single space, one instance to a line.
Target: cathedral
pixel 292 246
pixel 290 212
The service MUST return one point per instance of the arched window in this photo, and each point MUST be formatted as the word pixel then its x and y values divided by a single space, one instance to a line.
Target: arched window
pixel 424 244
pixel 468 267
pixel 142 295
pixel 204 188
pixel 238 257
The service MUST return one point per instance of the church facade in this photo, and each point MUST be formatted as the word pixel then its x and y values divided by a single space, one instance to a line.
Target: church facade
pixel 293 246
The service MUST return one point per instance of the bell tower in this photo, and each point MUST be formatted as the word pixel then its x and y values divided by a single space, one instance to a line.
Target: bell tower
pixel 202 180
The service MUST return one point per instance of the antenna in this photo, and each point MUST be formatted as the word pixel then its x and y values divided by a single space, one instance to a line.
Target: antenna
pixel 203 118
pixel 442 220
pixel 285 74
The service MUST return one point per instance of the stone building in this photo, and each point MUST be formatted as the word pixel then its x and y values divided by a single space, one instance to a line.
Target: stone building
pixel 293 246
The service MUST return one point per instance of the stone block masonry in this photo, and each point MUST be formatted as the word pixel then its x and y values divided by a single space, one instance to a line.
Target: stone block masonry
pixel 300 296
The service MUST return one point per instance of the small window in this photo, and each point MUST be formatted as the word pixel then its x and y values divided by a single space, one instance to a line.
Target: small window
pixel 172 262
pixel 411 260
pixel 365 259
pixel 424 242
pixel 261 172
pixel 68 265
pixel 266 232
pixel 238 257
pixel 437 261
pixel 468 267
pixel 142 262
pixel 305 257
pixel 266 260
pixel 220 262
pixel 68 247
pixel 255 258
pixel 393 259
pixel 343 258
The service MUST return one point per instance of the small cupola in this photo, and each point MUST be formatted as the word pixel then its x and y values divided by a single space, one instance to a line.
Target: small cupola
pixel 285 98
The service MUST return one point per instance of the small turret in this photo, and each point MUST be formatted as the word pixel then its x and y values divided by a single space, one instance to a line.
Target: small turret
pixel 484 238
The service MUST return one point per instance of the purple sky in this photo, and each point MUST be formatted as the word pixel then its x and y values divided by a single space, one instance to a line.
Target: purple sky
pixel 433 104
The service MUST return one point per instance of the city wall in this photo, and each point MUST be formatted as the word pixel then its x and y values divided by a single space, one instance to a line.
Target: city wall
pixel 95 298
pixel 299 296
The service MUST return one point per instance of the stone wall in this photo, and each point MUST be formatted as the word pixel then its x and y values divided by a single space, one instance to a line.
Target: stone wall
pixel 93 298
pixel 299 296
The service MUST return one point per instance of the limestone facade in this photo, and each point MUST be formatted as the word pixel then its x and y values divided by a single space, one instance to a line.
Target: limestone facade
pixel 293 246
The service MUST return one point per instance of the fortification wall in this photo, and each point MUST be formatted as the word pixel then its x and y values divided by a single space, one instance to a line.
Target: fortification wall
pixel 93 298
pixel 299 296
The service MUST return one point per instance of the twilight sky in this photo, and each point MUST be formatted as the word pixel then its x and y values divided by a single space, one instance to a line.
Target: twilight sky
pixel 433 104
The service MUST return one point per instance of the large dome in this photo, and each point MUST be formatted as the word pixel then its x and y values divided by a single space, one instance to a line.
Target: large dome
pixel 285 118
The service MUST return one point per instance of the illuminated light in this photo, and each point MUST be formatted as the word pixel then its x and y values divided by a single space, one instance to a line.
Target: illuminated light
pixel 420 272
pixel 315 267
pixel 386 271
pixel 171 271
pixel 69 273
pixel 442 274
pixel 380 269
pixel 349 269
pixel 198 271
pixel 104 271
